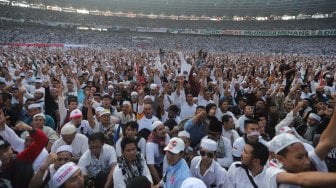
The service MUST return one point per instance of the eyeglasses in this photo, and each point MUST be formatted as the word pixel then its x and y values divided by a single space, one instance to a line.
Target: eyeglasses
pixel 209 155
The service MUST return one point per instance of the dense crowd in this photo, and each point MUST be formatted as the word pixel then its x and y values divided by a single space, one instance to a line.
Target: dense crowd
pixel 13 32
pixel 109 21
pixel 98 117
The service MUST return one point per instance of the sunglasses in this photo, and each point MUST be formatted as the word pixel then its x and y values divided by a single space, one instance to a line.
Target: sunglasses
pixel 209 155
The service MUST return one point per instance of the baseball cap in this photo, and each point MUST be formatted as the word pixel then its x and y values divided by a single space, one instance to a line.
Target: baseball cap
pixel 76 114
pixel 105 112
pixel 175 145
pixel 282 141
pixel 64 173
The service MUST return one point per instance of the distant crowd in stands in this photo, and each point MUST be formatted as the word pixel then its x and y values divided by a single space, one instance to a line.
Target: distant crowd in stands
pixel 109 21
pixel 30 33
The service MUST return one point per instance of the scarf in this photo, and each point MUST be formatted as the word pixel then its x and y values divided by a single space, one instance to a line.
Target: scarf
pixel 131 170
pixel 157 140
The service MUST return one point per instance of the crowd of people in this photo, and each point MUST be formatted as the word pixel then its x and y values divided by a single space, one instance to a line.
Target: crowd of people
pixel 110 21
pixel 99 117
pixel 31 33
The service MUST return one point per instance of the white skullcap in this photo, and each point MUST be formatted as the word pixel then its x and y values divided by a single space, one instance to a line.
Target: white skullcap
pixel 183 133
pixel 285 129
pixel 134 93
pixel 315 116
pixel 175 145
pixel 35 105
pixel 68 129
pixel 126 103
pixel 209 144
pixel 156 124
pixel 153 86
pixel 193 182
pixel 281 141
pixel 39 115
pixel 148 97
pixel 67 148
pixel 64 173
pixel 38 80
pixel 105 112
pixel 110 87
pixel 75 114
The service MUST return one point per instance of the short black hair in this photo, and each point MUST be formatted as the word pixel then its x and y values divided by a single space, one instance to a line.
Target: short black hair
pixel 139 181
pixel 127 140
pixel 97 136
pixel 209 106
pixel 260 151
pixel 226 118
pixel 200 107
pixel 132 124
pixel 250 121
pixel 72 98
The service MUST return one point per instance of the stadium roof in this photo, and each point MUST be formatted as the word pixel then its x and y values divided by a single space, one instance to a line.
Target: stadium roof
pixel 228 8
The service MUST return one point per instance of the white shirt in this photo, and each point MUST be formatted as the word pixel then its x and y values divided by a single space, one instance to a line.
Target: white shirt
pixel 203 102
pixel 230 134
pixel 272 172
pixel 187 111
pixel 145 123
pixel 119 179
pixel 227 158
pixel 13 139
pixel 85 128
pixel 141 145
pixel 238 146
pixel 214 175
pixel 153 155
pixel 241 122
pixel 91 166
pixel 79 145
pixel 239 178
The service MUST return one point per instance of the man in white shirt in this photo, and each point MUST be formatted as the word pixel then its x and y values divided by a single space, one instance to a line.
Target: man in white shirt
pixel 157 140
pixel 130 165
pixel 145 118
pixel 248 113
pixel 224 148
pixel 97 162
pixel 297 162
pixel 229 131
pixel 251 135
pixel 207 169
pixel 250 172
pixel 188 107
pixel 83 126
pixel 69 136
